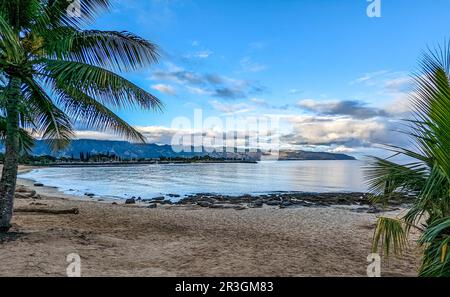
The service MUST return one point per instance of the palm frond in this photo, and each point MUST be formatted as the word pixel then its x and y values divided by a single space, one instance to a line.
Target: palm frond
pixel 390 235
pixel 9 43
pixel 436 260
pixel 91 114
pixel 429 176
pixel 20 14
pixel 103 85
pixel 116 51
pixel 26 141
pixel 385 177
pixel 60 14
pixel 54 125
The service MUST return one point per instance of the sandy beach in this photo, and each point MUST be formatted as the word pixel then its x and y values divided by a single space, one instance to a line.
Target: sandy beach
pixel 129 240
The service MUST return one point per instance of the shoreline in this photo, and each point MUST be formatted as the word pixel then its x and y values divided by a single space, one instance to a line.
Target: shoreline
pixel 355 201
pixel 352 201
pixel 190 240
pixel 125 164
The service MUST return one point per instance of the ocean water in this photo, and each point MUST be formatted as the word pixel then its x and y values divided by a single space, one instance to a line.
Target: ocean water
pixel 149 181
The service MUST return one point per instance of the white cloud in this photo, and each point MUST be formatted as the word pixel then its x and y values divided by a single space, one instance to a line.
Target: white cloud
pixel 165 89
pixel 197 90
pixel 367 77
pixel 203 54
pixel 96 135
pixel 339 131
pixel 248 65
pixel 399 84
pixel 331 134
pixel 294 91
pixel 231 108
pixel 400 105
pixel 341 149
pixel 259 102
pixel 211 84
pixel 351 108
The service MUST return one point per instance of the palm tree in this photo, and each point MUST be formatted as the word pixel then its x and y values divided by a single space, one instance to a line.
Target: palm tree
pixel 54 75
pixel 427 175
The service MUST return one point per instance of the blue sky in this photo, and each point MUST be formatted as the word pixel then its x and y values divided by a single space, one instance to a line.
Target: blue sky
pixel 337 77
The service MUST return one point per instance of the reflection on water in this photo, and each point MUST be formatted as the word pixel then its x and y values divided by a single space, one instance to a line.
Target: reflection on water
pixel 149 181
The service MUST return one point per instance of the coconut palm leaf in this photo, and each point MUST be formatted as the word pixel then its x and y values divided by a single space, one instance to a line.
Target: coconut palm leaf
pixel 390 235
pixel 54 125
pixel 91 114
pixel 103 85
pixel 116 51
pixel 57 11
pixel 437 256
pixel 9 44
pixel 26 141
pixel 385 177
pixel 19 14
pixel 52 72
pixel 428 177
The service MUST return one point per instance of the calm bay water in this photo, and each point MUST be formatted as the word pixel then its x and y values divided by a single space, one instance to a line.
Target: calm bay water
pixel 149 181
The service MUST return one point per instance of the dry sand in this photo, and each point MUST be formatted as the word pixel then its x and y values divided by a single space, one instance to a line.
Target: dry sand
pixel 119 240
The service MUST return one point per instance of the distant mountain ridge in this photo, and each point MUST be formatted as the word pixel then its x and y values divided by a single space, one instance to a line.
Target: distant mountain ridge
pixel 305 155
pixel 129 150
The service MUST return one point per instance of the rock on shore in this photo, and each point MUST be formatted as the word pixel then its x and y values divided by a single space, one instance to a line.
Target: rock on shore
pixel 288 200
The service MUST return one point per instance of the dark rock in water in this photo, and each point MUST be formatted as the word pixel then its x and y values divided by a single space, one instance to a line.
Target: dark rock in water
pixel 304 204
pixel 343 201
pixel 204 203
pixel 130 201
pixel 322 203
pixel 396 202
pixel 246 198
pixel 287 204
pixel 101 200
pixel 153 205
pixel 273 203
pixel 139 199
pixel 114 203
pixel 237 200
pixel 38 185
pixel 169 202
pixel 174 195
pixel 89 194
pixel 207 199
pixel 374 210
pixel 283 200
pixel 204 195
pixel 159 198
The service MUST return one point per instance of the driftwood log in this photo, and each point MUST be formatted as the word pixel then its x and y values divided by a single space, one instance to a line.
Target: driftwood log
pixel 48 211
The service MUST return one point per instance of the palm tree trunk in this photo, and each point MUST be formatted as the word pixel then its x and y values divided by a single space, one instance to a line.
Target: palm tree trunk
pixel 10 167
